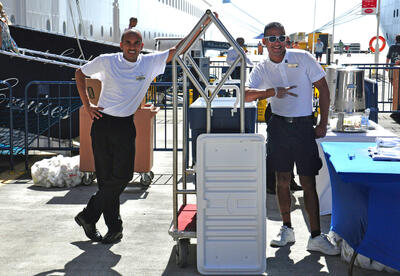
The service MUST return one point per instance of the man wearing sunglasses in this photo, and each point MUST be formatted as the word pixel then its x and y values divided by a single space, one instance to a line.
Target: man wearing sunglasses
pixel 286 78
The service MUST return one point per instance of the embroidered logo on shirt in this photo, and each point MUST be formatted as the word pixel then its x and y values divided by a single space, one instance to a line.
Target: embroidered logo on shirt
pixel 140 77
pixel 293 65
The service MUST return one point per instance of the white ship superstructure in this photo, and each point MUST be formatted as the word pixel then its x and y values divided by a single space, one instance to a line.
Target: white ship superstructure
pixel 105 20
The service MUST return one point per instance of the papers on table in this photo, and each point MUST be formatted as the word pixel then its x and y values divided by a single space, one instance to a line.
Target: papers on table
pixel 387 149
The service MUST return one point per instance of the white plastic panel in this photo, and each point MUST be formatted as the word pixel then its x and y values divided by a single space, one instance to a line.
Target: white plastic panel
pixel 231 216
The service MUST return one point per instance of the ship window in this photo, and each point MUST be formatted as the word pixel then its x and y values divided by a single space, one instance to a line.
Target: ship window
pixel 48 24
pixel 394 13
pixel 149 35
pixel 397 12
pixel 80 28
pixel 102 31
pixel 64 27
pixel 144 35
pixel 155 34
pixel 110 31
pixel 12 19
pixel 91 30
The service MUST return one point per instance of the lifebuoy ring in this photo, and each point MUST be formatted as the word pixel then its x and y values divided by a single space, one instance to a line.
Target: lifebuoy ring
pixel 381 38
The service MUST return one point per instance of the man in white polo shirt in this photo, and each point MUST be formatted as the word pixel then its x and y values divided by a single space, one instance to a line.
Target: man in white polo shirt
pixel 125 78
pixel 286 78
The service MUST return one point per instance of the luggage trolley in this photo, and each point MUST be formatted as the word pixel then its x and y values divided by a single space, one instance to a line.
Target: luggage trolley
pixel 183 226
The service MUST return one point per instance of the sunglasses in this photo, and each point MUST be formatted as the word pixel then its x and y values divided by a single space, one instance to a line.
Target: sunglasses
pixel 273 38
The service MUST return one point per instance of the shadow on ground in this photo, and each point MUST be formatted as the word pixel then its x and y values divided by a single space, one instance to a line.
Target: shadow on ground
pixel 81 194
pixel 96 259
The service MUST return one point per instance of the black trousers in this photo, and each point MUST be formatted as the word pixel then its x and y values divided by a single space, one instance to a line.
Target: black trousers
pixel 236 73
pixel 113 143
pixel 271 180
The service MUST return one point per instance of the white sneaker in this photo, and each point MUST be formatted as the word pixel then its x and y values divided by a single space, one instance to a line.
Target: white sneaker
pixel 285 236
pixel 322 244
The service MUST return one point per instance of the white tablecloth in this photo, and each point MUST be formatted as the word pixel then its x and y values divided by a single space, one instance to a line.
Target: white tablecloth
pixel 323 179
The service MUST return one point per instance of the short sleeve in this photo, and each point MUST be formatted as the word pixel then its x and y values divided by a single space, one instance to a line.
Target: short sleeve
pixel 314 70
pixel 389 54
pixel 158 62
pixel 258 79
pixel 94 66
pixel 231 56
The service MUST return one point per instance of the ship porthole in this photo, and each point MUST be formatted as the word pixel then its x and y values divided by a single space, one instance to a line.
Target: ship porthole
pixel 91 30
pixel 80 28
pixel 64 27
pixel 102 31
pixel 48 24
pixel 110 31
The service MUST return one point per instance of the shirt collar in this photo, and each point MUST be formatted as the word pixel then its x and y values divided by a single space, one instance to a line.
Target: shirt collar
pixel 284 60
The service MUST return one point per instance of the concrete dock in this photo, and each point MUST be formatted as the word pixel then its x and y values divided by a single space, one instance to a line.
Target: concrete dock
pixel 40 236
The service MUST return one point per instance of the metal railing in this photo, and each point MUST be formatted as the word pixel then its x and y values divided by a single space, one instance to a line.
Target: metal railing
pixel 50 112
pixel 7 139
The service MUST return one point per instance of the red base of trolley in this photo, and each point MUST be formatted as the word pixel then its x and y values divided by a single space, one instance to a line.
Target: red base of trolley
pixel 187 218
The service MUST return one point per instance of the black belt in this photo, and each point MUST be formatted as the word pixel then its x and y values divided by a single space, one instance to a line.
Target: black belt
pixel 291 120
pixel 115 117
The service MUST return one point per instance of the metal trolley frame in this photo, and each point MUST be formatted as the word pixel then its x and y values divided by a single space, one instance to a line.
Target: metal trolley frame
pixel 183 233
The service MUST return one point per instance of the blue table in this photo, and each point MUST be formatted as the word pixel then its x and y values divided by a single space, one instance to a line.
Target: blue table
pixel 365 200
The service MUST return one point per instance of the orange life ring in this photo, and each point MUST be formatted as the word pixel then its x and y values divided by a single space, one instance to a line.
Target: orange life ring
pixel 381 38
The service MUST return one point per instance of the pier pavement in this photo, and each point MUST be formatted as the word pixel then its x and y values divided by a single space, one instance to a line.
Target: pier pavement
pixel 40 237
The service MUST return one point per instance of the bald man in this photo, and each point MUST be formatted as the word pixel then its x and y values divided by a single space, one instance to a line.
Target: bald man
pixel 125 78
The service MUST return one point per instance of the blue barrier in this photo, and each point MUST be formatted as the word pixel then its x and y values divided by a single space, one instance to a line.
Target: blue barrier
pixel 50 116
pixel 7 107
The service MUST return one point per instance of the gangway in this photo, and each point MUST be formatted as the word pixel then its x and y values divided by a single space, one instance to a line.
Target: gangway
pixel 44 57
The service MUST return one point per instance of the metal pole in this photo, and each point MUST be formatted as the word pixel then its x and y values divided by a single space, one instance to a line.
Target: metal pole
pixel 313 34
pixel 378 15
pixel 175 144
pixel 333 33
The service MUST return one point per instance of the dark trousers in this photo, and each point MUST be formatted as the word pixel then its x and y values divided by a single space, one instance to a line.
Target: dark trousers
pixel 271 180
pixel 236 73
pixel 113 143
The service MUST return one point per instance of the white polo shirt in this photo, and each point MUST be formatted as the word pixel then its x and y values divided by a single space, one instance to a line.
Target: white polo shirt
pixel 124 83
pixel 299 68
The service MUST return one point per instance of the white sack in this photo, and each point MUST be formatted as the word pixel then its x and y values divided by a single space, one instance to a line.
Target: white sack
pixel 58 171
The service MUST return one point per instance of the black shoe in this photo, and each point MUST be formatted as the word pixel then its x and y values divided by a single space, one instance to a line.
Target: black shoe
pixel 90 228
pixel 294 186
pixel 271 191
pixel 112 237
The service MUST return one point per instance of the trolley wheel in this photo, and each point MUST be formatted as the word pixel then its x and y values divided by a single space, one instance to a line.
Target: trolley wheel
pixel 151 175
pixel 182 252
pixel 88 178
pixel 146 178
